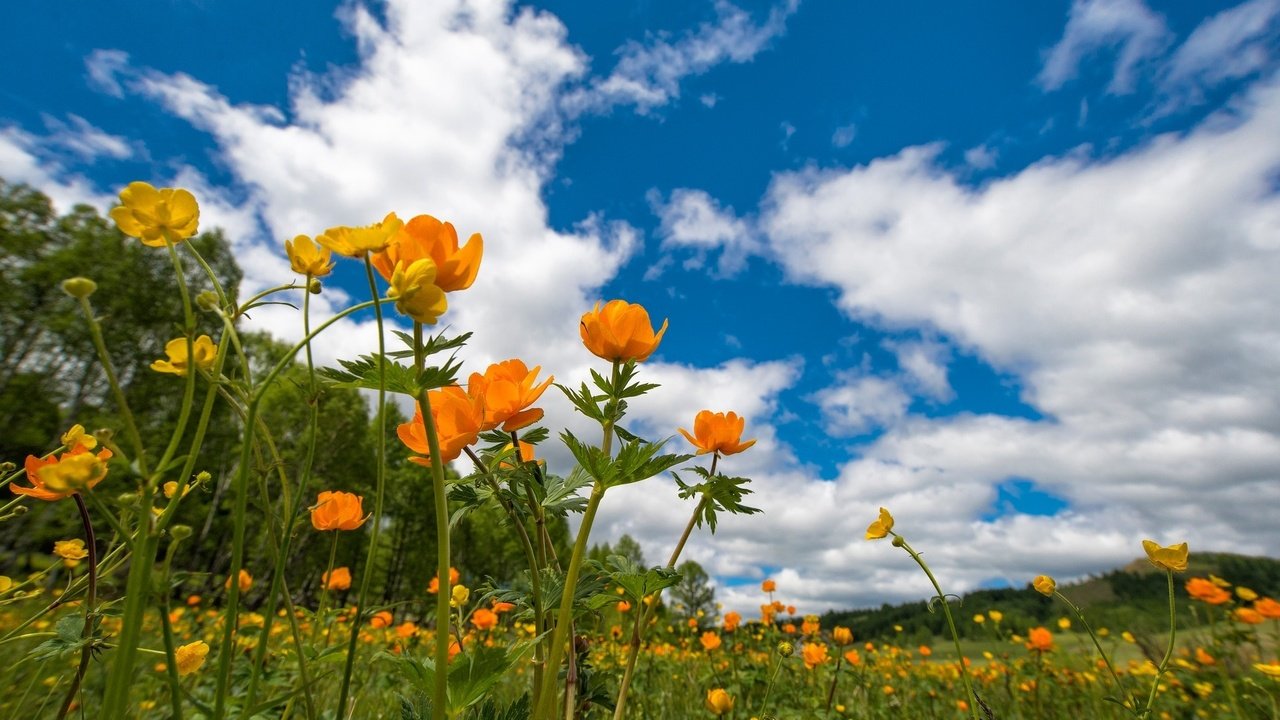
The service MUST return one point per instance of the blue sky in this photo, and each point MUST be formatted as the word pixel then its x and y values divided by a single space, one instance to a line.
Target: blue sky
pixel 1008 271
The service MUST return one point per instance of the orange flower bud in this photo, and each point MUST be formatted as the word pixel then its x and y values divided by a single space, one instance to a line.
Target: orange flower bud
pixel 620 332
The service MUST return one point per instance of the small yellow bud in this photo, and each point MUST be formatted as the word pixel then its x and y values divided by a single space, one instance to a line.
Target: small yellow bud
pixel 207 300
pixel 203 477
pixel 79 287
pixel 786 649
pixel 315 286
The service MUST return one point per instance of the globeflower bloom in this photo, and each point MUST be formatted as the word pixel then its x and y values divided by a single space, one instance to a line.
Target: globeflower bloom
pixel 1207 592
pixel 768 586
pixel 710 640
pixel 1268 608
pixel 71 551
pixel 620 332
pixel 339 579
pixel 413 287
pixel 434 586
pixel 718 433
pixel 719 702
pixel 507 389
pixel 484 619
pixel 814 654
pixel 191 656
pixel 882 526
pixel 731 621
pixel 203 349
pixel 54 479
pixel 356 242
pixel 245 581
pixel 308 258
pixel 156 216
pixel 338 511
pixel 842 635
pixel 426 237
pixel 1045 585
pixel 1039 639
pixel 459 418
pixel 1172 558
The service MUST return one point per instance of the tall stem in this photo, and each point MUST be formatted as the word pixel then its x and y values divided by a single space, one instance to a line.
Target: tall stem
pixel 1168 653
pixel 379 492
pixel 440 688
pixel 89 607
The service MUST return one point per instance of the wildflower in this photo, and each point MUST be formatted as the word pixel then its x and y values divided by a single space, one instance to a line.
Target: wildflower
pixel 507 389
pixel 1064 624
pixel 925 651
pixel 156 216
pixel 1045 585
pixel 1172 558
pixel 1128 637
pixel 1204 658
pixel 786 649
pixel 6 583
pixel 624 606
pixel 308 258
pixel 193 600
pixel 79 287
pixel 1039 639
pixel 191 656
pixel 1249 616
pixel 484 619
pixel 1268 608
pixel 339 579
pixel 434 586
pixel 852 657
pixel 789 628
pixel 413 287
pixel 814 654
pixel 527 453
pixel 710 640
pixel 1207 591
pixel 71 551
pixel 336 510
pixel 1219 581
pixel 459 596
pixel 501 607
pixel 54 479
pixel 731 621
pixel 881 527
pixel 979 618
pixel 996 616
pixel 810 626
pixel 77 437
pixel 425 237
pixel 458 419
pixel 172 488
pixel 245 581
pixel 620 332
pixel 204 353
pixel 768 586
pixel 381 620
pixel 406 630
pixel 1246 594
pixel 1272 670
pixel 791 609
pixel 355 242
pixel 718 433
pixel 842 635
pixel 719 702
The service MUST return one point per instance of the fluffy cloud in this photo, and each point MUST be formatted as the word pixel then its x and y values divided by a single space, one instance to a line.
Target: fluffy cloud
pixel 1236 42
pixel 693 219
pixel 1094 25
pixel 859 404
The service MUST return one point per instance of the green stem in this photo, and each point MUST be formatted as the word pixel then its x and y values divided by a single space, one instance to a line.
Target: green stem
pixel 380 482
pixel 188 393
pixel 324 591
pixel 1097 644
pixel 91 546
pixel 765 703
pixel 1168 653
pixel 126 415
pixel 440 687
pixel 170 646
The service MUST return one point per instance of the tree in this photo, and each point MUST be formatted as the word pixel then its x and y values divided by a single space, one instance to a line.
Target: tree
pixel 694 593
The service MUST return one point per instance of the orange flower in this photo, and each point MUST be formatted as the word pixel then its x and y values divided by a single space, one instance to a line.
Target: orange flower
pixel 381 620
pixel 1248 616
pixel 484 619
pixel 507 389
pixel 811 625
pixel 339 579
pixel 717 432
pixel 710 640
pixel 624 606
pixel 434 586
pixel 406 630
pixel 1267 608
pixel 853 658
pixel 426 237
pixel 338 511
pixel 769 586
pixel 43 471
pixel 245 581
pixel 458 419
pixel 620 332
pixel 1207 592
pixel 454 649
pixel 501 607
pixel 1204 658
pixel 719 701
pixel 789 628
pixel 1039 639
pixel 731 621
pixel 814 655
pixel 925 651
pixel 842 635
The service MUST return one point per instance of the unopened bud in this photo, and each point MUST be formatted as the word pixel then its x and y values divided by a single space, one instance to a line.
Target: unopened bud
pixel 203 477
pixel 898 541
pixel 786 649
pixel 127 499
pixel 180 532
pixel 104 435
pixel 207 300
pixel 79 287
pixel 315 286
pixel 7 467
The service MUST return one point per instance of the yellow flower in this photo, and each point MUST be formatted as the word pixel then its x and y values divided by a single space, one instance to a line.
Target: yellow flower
pixel 717 432
pixel 77 436
pixel 814 654
pixel 73 472
pixel 620 332
pixel 995 615
pixel 1172 558
pixel 459 595
pixel 1044 585
pixel 426 237
pixel 6 583
pixel 842 635
pixel 156 216
pixel 881 527
pixel 71 551
pixel 415 292
pixel 1246 594
pixel 1064 624
pixel 1128 637
pixel 191 656
pixel 178 363
pixel 979 618
pixel 308 258
pixel 356 242
pixel 719 702
pixel 1272 670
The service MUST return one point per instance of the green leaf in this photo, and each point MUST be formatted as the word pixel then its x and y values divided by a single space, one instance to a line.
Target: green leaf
pixel 720 493
pixel 638 583
pixel 363 374
pixel 562 493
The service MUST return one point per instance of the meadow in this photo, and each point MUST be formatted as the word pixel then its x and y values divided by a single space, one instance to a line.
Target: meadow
pixel 209 525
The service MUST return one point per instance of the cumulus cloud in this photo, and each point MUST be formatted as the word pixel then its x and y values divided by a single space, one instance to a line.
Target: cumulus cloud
pixel 1134 30
pixel 648 74
pixel 692 219
pixel 859 404
pixel 25 158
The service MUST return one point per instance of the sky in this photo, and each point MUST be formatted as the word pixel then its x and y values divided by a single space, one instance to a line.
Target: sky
pixel 1009 272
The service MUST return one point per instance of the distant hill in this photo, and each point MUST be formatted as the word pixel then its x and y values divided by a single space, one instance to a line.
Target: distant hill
pixel 1132 598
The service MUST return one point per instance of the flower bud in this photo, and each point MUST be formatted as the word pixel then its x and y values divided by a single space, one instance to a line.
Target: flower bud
pixel 7 467
pixel 786 649
pixel 203 477
pixel 898 541
pixel 79 287
pixel 207 300
pixel 180 532
pixel 315 286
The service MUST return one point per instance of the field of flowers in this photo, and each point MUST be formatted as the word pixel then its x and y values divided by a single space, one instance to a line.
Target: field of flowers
pixel 109 625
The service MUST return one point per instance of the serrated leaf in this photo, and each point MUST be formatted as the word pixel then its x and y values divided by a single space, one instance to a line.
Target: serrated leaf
pixel 364 374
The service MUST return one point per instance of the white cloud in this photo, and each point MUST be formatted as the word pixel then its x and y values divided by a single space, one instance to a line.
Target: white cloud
pixel 648 74
pixel 981 157
pixel 844 135
pixel 1093 25
pixel 82 138
pixel 693 219
pixel 1234 43
pixel 860 404
pixel 24 159
pixel 102 67
pixel 924 364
